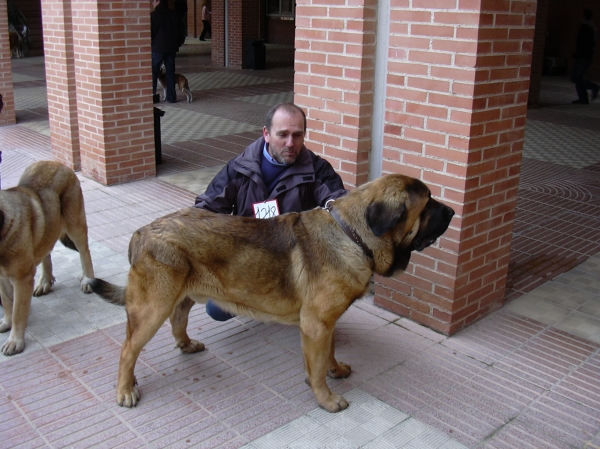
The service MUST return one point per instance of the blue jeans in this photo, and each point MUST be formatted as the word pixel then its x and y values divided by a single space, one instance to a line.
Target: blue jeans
pixel 169 60
pixel 581 85
pixel 216 313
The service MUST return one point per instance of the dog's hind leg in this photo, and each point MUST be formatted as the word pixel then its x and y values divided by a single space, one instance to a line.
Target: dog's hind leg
pixel 148 305
pixel 188 94
pixel 77 234
pixel 316 347
pixel 142 324
pixel 179 322
pixel 337 370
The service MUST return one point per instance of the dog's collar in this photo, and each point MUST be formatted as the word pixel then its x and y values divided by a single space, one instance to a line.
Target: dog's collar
pixel 348 230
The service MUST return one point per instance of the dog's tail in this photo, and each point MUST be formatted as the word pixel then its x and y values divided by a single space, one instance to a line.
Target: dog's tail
pixel 66 240
pixel 109 292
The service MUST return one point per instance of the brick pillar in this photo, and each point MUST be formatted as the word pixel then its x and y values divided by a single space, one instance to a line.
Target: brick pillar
pixel 243 23
pixel 60 82
pixel 460 83
pixel 7 116
pixel 217 26
pixel 114 89
pixel 456 90
pixel 333 80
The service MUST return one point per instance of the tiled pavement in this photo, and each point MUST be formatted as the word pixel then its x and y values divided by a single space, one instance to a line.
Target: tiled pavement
pixel 526 376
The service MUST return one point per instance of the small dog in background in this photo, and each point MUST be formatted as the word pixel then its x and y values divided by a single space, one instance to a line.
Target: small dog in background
pixel 180 81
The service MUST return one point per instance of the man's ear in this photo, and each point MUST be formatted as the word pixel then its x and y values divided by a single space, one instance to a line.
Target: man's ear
pixel 266 134
pixel 381 217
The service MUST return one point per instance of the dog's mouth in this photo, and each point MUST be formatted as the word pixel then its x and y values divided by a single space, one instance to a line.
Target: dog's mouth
pixel 421 244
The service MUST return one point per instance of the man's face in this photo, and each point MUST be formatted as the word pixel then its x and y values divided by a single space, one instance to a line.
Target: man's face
pixel 286 136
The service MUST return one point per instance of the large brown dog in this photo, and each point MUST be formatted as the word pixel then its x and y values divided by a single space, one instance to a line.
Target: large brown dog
pixel 47 205
pixel 297 268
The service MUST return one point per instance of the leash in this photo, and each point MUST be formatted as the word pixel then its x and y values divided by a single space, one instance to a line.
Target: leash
pixel 348 230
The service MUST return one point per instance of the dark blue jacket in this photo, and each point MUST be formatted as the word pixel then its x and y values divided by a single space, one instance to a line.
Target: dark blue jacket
pixel 310 182
pixel 165 29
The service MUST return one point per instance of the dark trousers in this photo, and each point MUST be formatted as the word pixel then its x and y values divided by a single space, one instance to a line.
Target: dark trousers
pixel 205 29
pixel 582 85
pixel 169 60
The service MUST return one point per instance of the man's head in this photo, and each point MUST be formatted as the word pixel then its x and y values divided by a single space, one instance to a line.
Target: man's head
pixel 587 14
pixel 284 132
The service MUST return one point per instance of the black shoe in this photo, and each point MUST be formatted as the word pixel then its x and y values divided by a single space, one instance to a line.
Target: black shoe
pixel 202 40
pixel 595 93
pixel 580 102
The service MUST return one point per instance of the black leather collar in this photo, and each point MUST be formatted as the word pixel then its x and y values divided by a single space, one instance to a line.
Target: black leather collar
pixel 348 230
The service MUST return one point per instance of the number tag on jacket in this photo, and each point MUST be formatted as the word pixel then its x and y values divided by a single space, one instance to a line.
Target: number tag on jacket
pixel 266 209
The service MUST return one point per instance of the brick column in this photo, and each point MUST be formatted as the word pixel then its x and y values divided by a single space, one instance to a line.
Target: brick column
pixel 7 116
pixel 334 63
pixel 114 89
pixel 60 81
pixel 460 84
pixel 456 92
pixel 217 26
pixel 243 23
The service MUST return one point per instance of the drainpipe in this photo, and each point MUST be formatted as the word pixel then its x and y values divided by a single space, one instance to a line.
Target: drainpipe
pixel 382 34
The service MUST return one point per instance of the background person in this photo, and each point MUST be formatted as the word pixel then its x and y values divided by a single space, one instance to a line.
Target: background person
pixel 205 22
pixel 587 38
pixel 165 34
pixel 276 171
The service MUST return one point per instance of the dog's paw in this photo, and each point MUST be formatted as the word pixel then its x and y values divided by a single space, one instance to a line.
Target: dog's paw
pixel 340 372
pixel 43 286
pixel 86 286
pixel 13 346
pixel 191 347
pixel 128 398
pixel 335 403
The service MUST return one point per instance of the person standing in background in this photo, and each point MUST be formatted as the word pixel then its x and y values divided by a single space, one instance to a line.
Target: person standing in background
pixel 165 40
pixel 587 38
pixel 205 22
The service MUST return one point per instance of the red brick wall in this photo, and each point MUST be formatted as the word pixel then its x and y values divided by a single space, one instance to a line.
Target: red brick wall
pixel 217 26
pixel 457 101
pixel 7 116
pixel 335 47
pixel 457 83
pixel 60 82
pixel 114 89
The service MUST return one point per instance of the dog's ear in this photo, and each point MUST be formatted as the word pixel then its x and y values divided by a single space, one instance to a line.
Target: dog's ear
pixel 381 217
pixel 1 220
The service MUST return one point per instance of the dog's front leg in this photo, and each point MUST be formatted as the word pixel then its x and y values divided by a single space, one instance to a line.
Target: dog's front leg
pixel 6 293
pixel 46 279
pixel 18 309
pixel 316 347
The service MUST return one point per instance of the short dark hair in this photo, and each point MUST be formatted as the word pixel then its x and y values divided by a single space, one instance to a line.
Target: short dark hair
pixel 290 108
pixel 587 14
